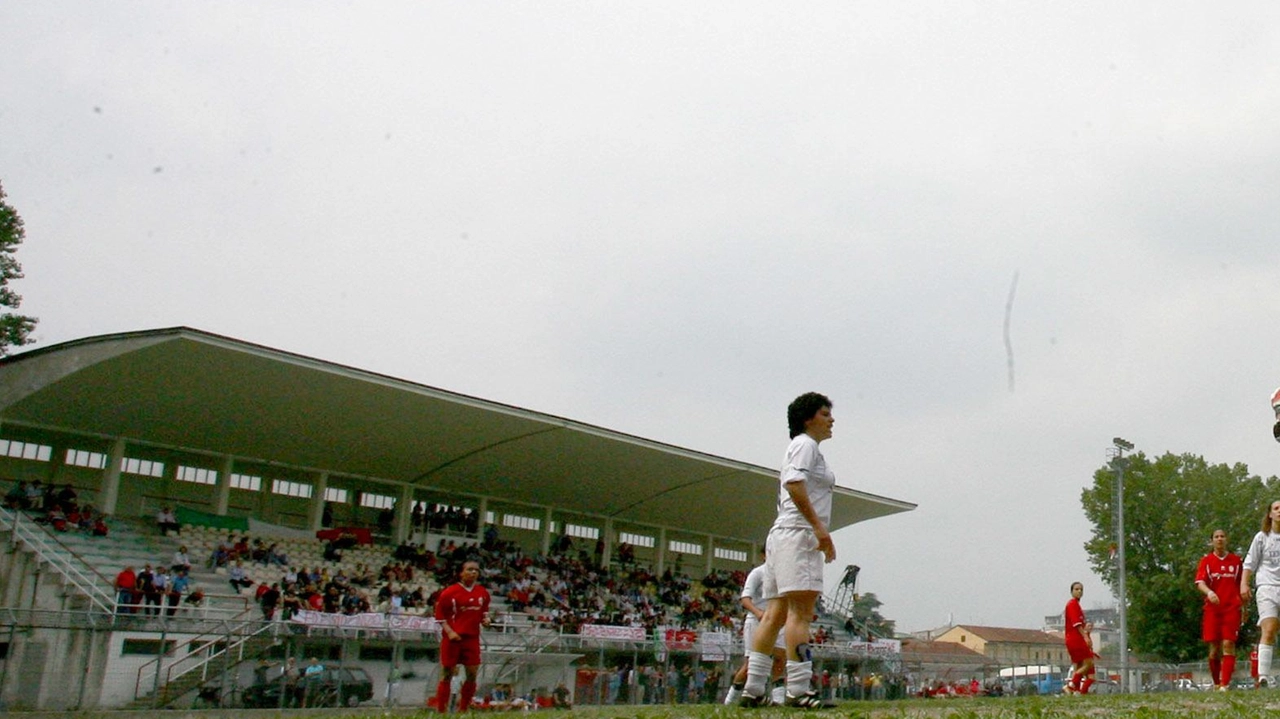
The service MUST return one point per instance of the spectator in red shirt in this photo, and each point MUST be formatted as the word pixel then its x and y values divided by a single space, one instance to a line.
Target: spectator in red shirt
pixel 126 582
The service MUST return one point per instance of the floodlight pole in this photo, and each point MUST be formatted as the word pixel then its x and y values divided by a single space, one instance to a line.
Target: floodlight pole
pixel 1120 447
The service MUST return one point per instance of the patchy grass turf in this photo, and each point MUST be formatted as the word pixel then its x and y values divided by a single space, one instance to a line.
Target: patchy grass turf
pixel 1243 704
pixel 1173 705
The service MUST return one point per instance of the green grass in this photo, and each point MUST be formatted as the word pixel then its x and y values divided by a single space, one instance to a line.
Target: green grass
pixel 1174 705
pixel 1243 704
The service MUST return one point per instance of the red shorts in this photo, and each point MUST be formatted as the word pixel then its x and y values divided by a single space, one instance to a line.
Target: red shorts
pixel 464 651
pixel 1220 623
pixel 1079 651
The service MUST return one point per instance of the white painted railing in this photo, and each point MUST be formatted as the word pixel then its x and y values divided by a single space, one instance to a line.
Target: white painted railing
pixel 73 568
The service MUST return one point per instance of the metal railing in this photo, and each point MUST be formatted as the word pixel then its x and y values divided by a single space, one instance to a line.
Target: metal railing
pixel 64 560
pixel 234 639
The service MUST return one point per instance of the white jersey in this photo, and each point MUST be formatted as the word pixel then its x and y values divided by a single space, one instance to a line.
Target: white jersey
pixel 804 463
pixel 1263 558
pixel 753 589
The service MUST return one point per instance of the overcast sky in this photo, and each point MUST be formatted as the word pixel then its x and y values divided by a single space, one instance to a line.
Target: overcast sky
pixel 671 218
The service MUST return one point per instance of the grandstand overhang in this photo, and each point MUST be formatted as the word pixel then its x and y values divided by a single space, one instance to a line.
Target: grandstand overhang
pixel 196 391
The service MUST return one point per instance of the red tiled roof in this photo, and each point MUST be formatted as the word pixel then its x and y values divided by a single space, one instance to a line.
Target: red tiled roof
pixel 951 649
pixel 1008 635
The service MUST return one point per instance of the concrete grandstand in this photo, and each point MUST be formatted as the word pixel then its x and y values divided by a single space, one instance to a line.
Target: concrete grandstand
pixel 226 429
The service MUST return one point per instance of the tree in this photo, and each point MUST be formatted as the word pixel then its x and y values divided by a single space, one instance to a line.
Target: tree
pixel 1171 507
pixel 15 329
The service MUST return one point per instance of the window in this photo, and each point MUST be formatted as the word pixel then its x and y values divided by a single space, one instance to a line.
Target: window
pixel 333 494
pixel 736 555
pixel 25 450
pixel 144 467
pixel 378 501
pixel 684 547
pixel 196 475
pixel 246 482
pixel 146 647
pixel 637 540
pixel 578 530
pixel 81 458
pixel 291 489
pixel 520 522
pixel 380 654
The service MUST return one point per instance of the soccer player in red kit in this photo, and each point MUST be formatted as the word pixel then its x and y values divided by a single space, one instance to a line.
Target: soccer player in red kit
pixel 1218 579
pixel 461 609
pixel 1079 642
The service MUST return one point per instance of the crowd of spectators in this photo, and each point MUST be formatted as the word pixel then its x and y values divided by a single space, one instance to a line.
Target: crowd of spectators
pixel 58 508
pixel 566 587
pixel 570 588
pixel 231 551
pixel 157 590
pixel 441 518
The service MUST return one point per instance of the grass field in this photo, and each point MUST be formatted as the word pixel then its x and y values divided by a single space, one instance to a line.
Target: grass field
pixel 1246 704
pixel 1173 705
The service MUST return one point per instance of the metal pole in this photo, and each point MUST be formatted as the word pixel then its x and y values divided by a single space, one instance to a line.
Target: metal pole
pixel 226 660
pixel 155 686
pixel 1121 445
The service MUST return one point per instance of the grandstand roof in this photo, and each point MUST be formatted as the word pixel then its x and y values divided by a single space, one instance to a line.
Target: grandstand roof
pixel 196 391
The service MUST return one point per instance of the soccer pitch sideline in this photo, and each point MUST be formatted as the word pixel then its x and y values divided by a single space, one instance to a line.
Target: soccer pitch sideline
pixel 1243 704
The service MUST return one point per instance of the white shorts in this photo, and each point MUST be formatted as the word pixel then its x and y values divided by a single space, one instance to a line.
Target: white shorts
pixel 1268 601
pixel 794 562
pixel 749 628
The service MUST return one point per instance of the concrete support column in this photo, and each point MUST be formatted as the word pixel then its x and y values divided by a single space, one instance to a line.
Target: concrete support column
pixel 57 460
pixel 546 532
pixel 661 564
pixel 317 502
pixel 169 481
pixel 222 490
pixel 710 548
pixel 483 517
pixel 404 506
pixel 109 495
pixel 608 543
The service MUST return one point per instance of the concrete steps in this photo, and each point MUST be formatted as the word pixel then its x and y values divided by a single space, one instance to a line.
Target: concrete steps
pixel 188 683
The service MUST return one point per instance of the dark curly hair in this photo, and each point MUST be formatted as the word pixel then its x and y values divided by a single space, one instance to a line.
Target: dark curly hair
pixel 802 409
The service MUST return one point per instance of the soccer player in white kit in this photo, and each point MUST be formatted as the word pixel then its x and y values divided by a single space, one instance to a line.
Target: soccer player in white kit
pixel 798 545
pixel 755 603
pixel 1263 561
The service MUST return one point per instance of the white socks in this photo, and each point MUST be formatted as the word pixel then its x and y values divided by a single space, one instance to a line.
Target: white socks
pixel 731 699
pixel 799 675
pixel 758 668
pixel 1264 660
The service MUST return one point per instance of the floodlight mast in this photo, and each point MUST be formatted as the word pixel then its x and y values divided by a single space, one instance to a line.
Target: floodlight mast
pixel 1120 447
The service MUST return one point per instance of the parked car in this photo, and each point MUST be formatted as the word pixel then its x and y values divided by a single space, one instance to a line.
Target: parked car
pixel 1105 686
pixel 337 686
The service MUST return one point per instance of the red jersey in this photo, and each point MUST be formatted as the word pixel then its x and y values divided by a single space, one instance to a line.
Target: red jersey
pixel 1074 617
pixel 464 609
pixel 1222 575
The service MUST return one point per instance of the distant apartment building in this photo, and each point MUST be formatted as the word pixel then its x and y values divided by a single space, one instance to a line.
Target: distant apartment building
pixel 1105 621
pixel 1009 647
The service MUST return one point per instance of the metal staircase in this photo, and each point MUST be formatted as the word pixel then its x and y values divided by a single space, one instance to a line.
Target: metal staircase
pixel 219 653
